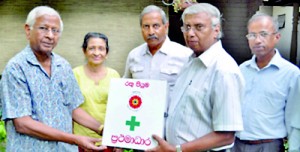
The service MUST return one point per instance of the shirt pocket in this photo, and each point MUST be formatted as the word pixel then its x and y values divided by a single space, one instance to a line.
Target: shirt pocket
pixel 195 101
pixel 195 96
pixel 273 100
pixel 172 67
pixel 137 71
pixel 62 89
pixel 170 72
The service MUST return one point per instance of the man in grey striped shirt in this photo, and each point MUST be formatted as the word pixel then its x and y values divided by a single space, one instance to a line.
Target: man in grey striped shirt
pixel 205 111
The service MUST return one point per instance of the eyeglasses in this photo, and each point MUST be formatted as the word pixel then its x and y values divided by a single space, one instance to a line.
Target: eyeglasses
pixel 195 28
pixel 263 34
pixel 45 30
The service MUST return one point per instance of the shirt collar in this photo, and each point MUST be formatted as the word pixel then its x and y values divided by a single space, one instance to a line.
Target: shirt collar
pixel 31 58
pixel 163 49
pixel 275 61
pixel 208 56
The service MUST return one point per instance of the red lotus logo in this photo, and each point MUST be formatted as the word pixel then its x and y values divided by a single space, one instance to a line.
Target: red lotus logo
pixel 135 102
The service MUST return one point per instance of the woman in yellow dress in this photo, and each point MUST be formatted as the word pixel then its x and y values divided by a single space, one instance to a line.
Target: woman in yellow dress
pixel 94 79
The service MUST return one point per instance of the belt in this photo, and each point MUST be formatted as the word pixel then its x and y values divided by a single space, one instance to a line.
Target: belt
pixel 255 142
pixel 224 150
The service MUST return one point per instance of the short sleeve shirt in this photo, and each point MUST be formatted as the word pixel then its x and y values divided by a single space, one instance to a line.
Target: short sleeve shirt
pixel 165 64
pixel 27 90
pixel 206 97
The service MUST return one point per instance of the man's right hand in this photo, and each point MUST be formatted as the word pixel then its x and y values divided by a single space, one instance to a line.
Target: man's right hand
pixel 89 143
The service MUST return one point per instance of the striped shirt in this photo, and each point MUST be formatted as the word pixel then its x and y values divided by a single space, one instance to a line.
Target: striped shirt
pixel 206 97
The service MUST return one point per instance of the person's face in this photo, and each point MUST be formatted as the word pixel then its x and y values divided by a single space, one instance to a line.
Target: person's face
pixel 201 35
pixel 45 33
pixel 265 39
pixel 95 52
pixel 153 30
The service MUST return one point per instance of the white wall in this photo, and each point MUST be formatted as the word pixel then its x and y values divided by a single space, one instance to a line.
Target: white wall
pixel 118 20
pixel 284 44
pixel 266 9
pixel 298 45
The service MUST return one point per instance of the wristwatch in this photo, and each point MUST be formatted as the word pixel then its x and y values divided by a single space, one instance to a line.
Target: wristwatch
pixel 100 130
pixel 178 148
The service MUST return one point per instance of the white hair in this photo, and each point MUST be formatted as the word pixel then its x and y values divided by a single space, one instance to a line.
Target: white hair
pixel 209 9
pixel 40 11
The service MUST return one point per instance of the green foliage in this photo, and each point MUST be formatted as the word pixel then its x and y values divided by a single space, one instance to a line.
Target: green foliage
pixel 128 150
pixel 177 4
pixel 286 145
pixel 2 131
pixel 2 136
pixel 2 146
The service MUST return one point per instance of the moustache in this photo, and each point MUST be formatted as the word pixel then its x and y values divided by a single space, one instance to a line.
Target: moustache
pixel 152 37
pixel 258 46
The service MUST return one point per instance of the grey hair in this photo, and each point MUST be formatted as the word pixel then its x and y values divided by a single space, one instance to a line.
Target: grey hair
pixel 40 11
pixel 153 8
pixel 260 15
pixel 209 9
